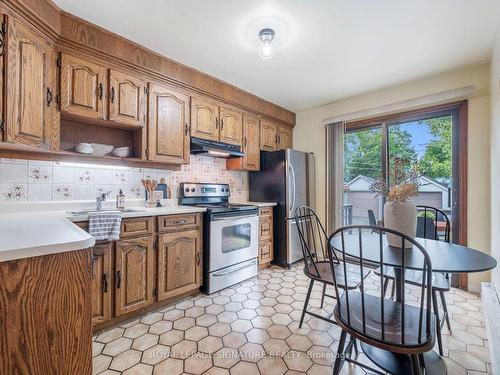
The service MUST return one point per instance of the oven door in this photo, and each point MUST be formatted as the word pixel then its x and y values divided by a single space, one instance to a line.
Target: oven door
pixel 233 238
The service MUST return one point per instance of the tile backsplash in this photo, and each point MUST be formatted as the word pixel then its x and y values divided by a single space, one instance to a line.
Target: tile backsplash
pixel 29 180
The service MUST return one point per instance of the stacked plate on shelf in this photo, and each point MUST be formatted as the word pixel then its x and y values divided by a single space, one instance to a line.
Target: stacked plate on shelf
pixel 100 149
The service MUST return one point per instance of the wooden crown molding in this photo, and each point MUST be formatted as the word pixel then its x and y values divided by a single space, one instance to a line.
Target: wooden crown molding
pixel 73 33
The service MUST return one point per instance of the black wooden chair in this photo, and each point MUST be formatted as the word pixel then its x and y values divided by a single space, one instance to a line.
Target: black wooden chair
pixel 314 244
pixel 402 331
pixel 427 227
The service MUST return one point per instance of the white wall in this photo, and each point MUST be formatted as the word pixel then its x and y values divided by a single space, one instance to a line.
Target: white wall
pixel 495 157
pixel 309 136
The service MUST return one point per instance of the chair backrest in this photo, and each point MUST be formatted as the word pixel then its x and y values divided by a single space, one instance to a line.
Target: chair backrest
pixel 433 224
pixel 371 218
pixel 313 238
pixel 366 310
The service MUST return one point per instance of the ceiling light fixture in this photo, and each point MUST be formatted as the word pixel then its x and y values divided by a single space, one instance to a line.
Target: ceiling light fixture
pixel 266 48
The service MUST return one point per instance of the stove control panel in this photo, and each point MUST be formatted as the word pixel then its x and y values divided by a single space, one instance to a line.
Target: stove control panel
pixel 204 190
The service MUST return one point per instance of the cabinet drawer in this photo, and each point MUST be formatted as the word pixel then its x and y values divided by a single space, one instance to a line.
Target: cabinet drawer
pixel 265 230
pixel 265 252
pixel 174 222
pixel 266 212
pixel 136 226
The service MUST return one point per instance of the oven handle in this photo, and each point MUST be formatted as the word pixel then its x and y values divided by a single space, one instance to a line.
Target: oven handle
pixel 232 270
pixel 228 217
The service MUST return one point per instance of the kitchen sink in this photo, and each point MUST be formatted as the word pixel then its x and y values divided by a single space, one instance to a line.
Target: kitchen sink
pixel 89 210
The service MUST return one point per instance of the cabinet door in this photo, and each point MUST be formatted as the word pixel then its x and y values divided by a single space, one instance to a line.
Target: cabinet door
pixel 127 103
pixel 3 23
pixel 29 97
pixel 251 139
pixel 168 125
pixel 179 263
pixel 83 87
pixel 284 138
pixel 267 136
pixel 231 122
pixel 133 274
pixel 101 282
pixel 204 119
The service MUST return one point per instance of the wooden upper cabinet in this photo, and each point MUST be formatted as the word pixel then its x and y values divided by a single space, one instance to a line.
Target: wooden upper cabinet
pixel 29 93
pixel 133 274
pixel 83 87
pixel 204 119
pixel 284 137
pixel 127 103
pixel 268 136
pixel 101 282
pixel 230 125
pixel 179 263
pixel 251 139
pixel 168 125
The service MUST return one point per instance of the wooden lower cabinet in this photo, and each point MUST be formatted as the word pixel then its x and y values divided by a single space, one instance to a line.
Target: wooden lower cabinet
pixel 102 255
pixel 266 243
pixel 133 274
pixel 179 263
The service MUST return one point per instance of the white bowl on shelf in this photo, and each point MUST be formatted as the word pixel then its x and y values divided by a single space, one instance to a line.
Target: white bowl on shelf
pixel 101 149
pixel 122 152
pixel 84 148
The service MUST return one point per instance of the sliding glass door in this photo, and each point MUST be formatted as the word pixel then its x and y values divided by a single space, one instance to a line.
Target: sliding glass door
pixel 429 140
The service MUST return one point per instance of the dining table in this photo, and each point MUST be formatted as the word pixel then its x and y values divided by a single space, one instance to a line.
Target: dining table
pixel 445 257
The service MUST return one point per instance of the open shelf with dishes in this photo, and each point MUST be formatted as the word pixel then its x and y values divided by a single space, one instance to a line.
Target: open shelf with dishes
pixel 89 140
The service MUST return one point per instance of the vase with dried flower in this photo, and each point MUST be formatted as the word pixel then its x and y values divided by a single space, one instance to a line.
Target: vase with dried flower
pixel 400 214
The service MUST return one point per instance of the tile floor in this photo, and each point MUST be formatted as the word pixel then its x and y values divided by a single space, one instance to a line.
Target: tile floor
pixel 252 328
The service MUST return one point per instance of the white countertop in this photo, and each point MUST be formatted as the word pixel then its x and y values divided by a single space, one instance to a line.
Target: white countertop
pixel 258 204
pixel 25 235
pixel 35 233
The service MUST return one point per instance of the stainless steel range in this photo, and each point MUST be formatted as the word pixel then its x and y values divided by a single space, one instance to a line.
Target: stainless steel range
pixel 230 238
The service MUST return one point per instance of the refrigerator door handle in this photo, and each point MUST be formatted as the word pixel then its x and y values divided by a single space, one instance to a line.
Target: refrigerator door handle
pixel 292 174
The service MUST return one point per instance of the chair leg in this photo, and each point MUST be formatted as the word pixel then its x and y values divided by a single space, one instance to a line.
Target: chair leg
pixel 438 324
pixel 386 284
pixel 339 360
pixel 445 309
pixel 323 295
pixel 306 302
pixel 416 369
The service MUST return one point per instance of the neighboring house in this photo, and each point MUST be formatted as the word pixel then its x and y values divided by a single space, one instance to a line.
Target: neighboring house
pixel 358 194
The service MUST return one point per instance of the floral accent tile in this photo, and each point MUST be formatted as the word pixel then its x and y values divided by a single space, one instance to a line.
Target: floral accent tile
pixel 39 174
pixel 84 176
pixel 13 192
pixel 120 177
pixel 136 192
pixel 64 192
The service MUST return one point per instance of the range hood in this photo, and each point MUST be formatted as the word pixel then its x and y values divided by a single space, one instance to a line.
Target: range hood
pixel 215 149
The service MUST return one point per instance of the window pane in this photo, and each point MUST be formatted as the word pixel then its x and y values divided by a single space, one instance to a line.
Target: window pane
pixel 362 164
pixel 427 143
pixel 236 237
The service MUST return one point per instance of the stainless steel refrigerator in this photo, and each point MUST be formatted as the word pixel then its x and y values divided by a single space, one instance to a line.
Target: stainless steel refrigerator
pixel 288 178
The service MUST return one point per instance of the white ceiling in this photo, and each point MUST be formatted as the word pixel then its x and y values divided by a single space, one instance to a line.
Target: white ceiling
pixel 330 49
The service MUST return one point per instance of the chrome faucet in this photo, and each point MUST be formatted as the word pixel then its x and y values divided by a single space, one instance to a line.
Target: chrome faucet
pixel 99 199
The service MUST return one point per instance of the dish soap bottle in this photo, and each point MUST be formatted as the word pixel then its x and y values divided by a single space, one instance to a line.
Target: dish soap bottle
pixel 120 200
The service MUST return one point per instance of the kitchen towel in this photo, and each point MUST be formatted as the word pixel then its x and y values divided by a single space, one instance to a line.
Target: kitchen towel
pixel 105 225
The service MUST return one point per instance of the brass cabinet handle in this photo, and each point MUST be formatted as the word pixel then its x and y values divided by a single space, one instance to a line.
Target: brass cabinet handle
pixel 105 282
pixel 118 279
pixel 198 259
pixel 186 129
pixel 246 141
pixel 179 222
pixel 221 124
pixel 49 97
pixel 216 123
pixel 100 91
pixel 112 94
pixel 2 38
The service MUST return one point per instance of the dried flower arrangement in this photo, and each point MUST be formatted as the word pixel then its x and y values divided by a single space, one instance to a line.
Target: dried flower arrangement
pixel 402 184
